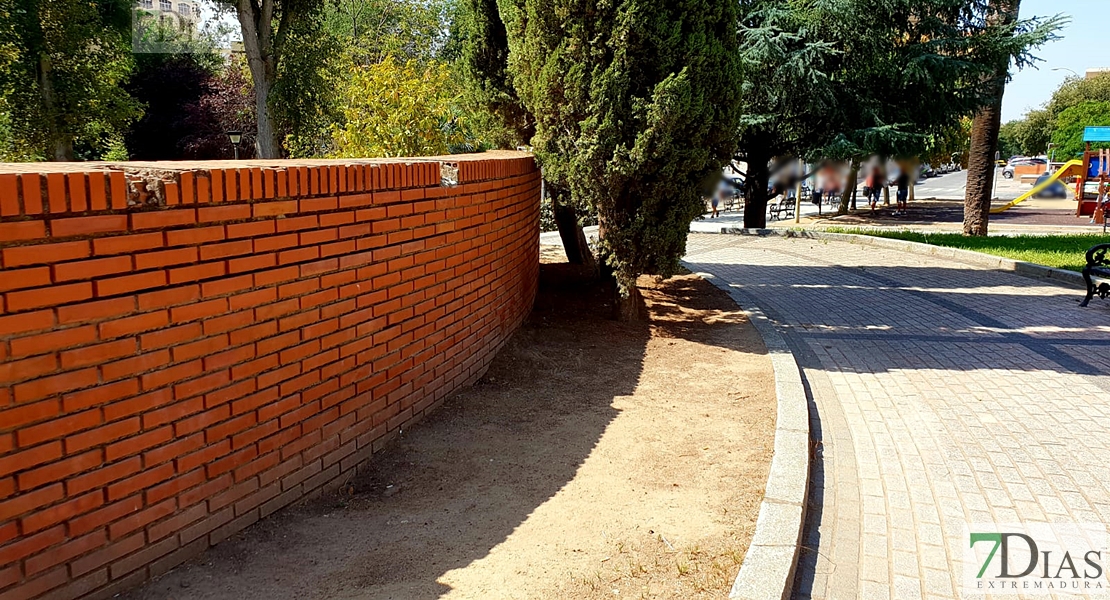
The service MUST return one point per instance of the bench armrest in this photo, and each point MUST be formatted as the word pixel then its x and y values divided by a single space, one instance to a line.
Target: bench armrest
pixel 1098 255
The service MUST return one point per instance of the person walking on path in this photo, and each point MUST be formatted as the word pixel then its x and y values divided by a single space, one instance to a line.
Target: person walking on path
pixel 873 185
pixel 903 184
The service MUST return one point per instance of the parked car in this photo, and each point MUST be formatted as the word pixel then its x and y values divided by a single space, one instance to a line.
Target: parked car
pixel 1008 170
pixel 927 170
pixel 1056 190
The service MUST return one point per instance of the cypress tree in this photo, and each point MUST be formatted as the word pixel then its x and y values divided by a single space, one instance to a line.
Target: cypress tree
pixel 636 105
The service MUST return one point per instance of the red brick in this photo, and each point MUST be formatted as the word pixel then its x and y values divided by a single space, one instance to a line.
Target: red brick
pixel 47 386
pixel 26 459
pixel 53 341
pixel 59 470
pixel 21 370
pixel 97 518
pixel 29 413
pixel 163 218
pixel 135 242
pixel 198 310
pixel 138 404
pixel 65 552
pixel 177 256
pixel 276 242
pixel 130 283
pixel 144 480
pixel 22 230
pixel 135 324
pixel 270 209
pixel 87 225
pixel 175 373
pixel 59 513
pixel 235 212
pixel 170 336
pixel 169 297
pixel 57 427
pixel 28 545
pixel 199 348
pixel 100 353
pixel 9 197
pixel 102 394
pixel 117 187
pixel 109 553
pixel 135 365
pixel 139 519
pixel 25 278
pixel 45 253
pixel 101 435
pixel 214 251
pixel 30 502
pixel 98 187
pixel 31 183
pixel 196 272
pixel 135 445
pixel 253 229
pixel 92 311
pixel 194 236
pixel 226 285
pixel 177 448
pixel 252 263
pixel 103 476
pixel 201 385
pixel 58 294
pixel 228 322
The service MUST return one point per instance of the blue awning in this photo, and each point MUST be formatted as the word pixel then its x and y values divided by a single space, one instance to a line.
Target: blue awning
pixel 1096 134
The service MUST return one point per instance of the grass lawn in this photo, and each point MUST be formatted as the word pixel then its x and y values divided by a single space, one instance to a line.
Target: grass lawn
pixel 1060 251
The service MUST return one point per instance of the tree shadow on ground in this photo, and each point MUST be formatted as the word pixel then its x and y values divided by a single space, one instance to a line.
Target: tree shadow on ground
pixel 460 482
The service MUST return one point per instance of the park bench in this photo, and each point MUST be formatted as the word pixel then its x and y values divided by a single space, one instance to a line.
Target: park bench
pixel 783 209
pixel 1097 272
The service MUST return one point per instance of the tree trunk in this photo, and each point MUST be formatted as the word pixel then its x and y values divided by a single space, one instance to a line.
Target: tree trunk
pixel 61 142
pixel 850 188
pixel 984 135
pixel 256 21
pixel 570 232
pixel 755 192
pixel 628 307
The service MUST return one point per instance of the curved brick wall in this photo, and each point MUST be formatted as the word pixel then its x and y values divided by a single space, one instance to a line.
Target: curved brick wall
pixel 186 348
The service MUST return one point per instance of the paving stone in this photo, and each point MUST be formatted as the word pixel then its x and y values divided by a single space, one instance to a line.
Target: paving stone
pixel 942 393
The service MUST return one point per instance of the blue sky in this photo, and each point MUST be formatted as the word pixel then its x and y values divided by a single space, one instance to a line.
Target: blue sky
pixel 1078 49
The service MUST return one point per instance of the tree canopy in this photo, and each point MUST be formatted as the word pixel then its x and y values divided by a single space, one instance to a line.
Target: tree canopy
pixel 62 67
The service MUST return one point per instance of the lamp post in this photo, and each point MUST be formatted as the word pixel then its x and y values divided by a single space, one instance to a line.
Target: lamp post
pixel 235 137
pixel 1072 71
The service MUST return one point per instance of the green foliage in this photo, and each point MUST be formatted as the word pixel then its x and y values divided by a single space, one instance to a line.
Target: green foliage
pixel 62 65
pixel 1038 127
pixel 483 57
pixel 1067 136
pixel 635 104
pixel 400 109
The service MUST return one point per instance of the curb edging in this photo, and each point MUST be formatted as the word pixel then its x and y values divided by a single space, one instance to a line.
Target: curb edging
pixel 767 571
pixel 1018 267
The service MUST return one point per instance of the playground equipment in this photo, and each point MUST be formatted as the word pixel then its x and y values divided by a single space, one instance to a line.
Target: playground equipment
pixel 1070 169
pixel 1095 163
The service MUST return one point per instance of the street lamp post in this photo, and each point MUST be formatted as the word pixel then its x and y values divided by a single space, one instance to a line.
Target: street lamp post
pixel 1072 71
pixel 235 137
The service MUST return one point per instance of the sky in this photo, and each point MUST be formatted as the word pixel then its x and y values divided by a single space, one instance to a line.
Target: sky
pixel 1077 49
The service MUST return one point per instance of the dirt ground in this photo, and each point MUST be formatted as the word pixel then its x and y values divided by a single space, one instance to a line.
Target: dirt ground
pixel 596 459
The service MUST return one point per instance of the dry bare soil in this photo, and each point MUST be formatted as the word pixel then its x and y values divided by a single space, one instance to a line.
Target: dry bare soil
pixel 596 459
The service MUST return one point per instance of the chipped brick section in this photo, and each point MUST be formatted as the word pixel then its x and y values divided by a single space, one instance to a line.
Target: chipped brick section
pixel 186 348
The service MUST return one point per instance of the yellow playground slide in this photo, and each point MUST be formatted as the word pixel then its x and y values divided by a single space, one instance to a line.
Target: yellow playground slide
pixel 1063 171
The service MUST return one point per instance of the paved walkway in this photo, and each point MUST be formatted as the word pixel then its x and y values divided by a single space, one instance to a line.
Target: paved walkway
pixel 943 394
